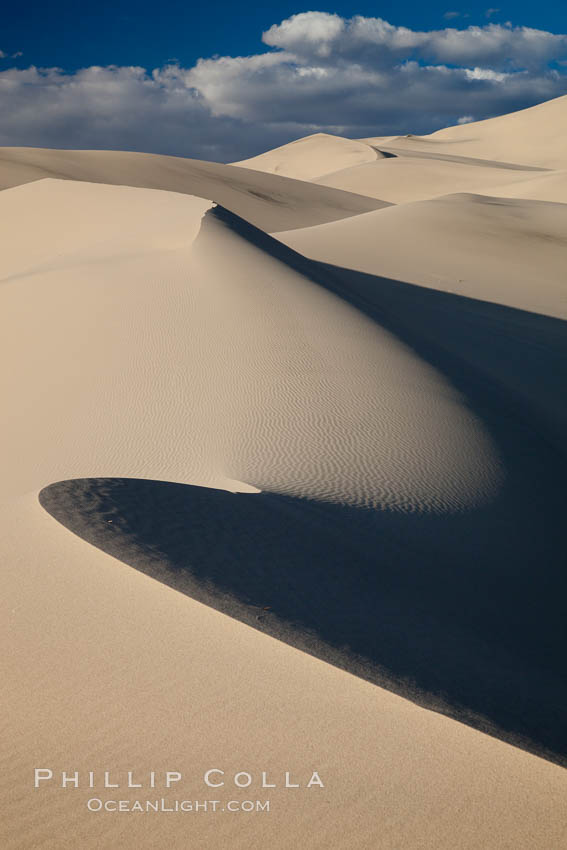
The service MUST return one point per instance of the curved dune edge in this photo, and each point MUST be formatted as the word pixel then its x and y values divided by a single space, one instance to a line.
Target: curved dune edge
pixel 510 251
pixel 105 668
pixel 324 402
pixel 153 319
pixel 270 201
pixel 118 379
pixel 368 592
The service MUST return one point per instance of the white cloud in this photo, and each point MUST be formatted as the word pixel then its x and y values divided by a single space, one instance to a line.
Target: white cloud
pixel 2 54
pixel 465 119
pixel 357 77
pixel 315 28
pixel 378 42
pixel 486 74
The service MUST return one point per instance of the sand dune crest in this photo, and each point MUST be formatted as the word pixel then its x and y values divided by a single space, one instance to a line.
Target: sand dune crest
pixel 312 156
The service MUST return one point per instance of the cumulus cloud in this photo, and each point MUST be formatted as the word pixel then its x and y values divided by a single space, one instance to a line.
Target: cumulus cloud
pixel 318 72
pixel 316 30
pixel 378 43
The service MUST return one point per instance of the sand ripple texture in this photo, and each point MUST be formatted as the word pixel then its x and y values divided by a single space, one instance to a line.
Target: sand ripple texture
pixel 322 401
pixel 149 354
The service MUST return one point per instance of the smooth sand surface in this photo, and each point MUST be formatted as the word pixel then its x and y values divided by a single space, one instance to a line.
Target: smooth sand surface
pixel 268 200
pixel 536 136
pixel 392 381
pixel 551 186
pixel 505 250
pixel 312 156
pixel 293 367
pixel 104 667
pixel 400 179
pixel 504 156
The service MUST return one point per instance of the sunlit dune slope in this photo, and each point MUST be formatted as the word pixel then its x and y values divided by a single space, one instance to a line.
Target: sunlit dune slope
pixel 312 156
pixel 283 467
pixel 268 200
pixel 400 179
pixel 536 136
pixel 245 367
pixel 508 251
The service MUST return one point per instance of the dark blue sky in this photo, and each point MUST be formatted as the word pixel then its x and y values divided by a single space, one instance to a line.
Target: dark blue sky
pixel 136 32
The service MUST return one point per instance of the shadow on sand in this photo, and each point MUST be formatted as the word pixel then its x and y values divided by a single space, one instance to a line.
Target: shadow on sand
pixel 442 610
pixel 463 613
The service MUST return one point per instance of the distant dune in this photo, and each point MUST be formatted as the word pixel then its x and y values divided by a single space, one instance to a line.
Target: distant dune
pixel 509 251
pixel 269 201
pixel 400 179
pixel 536 136
pixel 283 489
pixel 312 157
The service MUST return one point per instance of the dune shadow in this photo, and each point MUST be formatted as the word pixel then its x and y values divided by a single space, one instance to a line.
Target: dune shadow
pixel 385 153
pixel 437 609
pixel 463 613
pixel 463 160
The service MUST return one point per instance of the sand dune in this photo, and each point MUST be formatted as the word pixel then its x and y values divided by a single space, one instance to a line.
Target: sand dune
pixel 551 186
pixel 401 179
pixel 268 200
pixel 314 397
pixel 536 136
pixel 345 397
pixel 392 150
pixel 506 153
pixel 326 380
pixel 110 319
pixel 312 156
pixel 508 251
pixel 105 668
pixel 239 468
pixel 371 592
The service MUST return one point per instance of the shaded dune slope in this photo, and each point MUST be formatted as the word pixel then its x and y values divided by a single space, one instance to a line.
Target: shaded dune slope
pixel 268 200
pixel 508 250
pixel 475 162
pixel 460 608
pixel 229 349
pixel 418 604
pixel 325 402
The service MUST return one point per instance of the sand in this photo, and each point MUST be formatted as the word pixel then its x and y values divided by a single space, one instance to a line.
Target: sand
pixel 269 201
pixel 312 157
pixel 520 155
pixel 505 250
pixel 400 179
pixel 530 137
pixel 286 502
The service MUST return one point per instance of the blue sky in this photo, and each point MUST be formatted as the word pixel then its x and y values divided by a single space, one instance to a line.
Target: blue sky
pixel 130 32
pixel 129 74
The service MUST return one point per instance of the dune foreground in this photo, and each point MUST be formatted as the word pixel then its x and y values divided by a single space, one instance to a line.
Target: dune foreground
pixel 283 492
